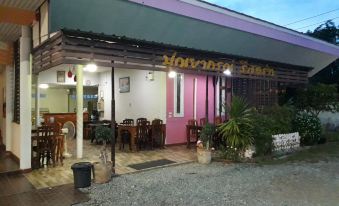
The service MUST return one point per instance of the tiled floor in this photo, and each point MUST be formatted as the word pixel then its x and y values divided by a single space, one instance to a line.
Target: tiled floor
pixel 60 175
pixel 7 164
pixel 16 190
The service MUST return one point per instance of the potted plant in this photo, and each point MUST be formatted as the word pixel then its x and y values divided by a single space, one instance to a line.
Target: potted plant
pixel 238 130
pixel 103 169
pixel 204 145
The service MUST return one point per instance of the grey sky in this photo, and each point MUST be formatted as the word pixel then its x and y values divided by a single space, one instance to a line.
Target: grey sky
pixel 282 12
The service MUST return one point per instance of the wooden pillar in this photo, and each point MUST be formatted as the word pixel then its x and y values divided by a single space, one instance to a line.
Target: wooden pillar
pixel 220 95
pixel 206 103
pixel 113 121
pixel 214 96
pixel 226 91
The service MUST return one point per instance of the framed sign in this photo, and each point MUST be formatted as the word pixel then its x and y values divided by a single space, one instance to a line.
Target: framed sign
pixel 61 76
pixel 124 85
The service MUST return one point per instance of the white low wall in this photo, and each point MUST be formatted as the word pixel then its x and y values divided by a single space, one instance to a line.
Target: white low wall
pixel 286 142
pixel 329 118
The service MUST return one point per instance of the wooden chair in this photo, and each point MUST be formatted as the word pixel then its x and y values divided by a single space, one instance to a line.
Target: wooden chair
pixel 128 122
pixel 192 132
pixel 125 139
pixel 143 135
pixel 46 145
pixel 59 141
pixel 141 120
pixel 217 120
pixel 157 133
pixel 203 122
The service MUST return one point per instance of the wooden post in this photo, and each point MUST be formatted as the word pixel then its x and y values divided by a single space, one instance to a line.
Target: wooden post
pixel 214 96
pixel 113 121
pixel 220 95
pixel 226 91
pixel 206 111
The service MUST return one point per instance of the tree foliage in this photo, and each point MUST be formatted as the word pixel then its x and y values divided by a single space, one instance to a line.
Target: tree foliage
pixel 317 98
pixel 328 32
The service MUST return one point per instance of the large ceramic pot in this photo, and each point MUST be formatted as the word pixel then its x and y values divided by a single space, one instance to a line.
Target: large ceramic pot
pixel 204 156
pixel 102 172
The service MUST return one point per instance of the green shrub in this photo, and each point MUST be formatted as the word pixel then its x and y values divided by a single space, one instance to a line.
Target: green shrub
pixel 229 153
pixel 331 136
pixel 103 134
pixel 262 134
pixel 309 128
pixel 280 118
pixel 206 135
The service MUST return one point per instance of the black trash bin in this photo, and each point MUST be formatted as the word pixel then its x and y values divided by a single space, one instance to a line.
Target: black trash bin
pixel 82 174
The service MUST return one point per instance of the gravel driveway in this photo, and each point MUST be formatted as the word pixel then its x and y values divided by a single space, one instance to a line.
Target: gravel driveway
pixel 224 184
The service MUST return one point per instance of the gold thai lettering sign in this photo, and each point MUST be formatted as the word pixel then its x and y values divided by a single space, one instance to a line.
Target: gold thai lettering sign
pixel 243 67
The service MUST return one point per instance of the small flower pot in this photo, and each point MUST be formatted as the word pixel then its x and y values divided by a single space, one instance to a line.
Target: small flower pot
pixel 102 172
pixel 204 156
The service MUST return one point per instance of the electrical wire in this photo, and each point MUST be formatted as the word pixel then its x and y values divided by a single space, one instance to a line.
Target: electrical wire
pixel 316 23
pixel 311 17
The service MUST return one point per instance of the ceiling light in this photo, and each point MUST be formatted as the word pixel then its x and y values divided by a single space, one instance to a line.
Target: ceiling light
pixel 43 86
pixel 228 72
pixel 172 74
pixel 91 67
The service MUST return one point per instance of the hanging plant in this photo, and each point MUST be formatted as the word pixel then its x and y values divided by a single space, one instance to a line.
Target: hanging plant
pixel 69 73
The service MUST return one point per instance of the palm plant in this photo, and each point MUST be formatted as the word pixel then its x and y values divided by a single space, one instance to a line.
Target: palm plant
pixel 238 130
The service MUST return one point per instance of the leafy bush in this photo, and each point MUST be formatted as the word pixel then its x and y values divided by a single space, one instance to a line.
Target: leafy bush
pixel 238 130
pixel 206 135
pixel 230 153
pixel 309 128
pixel 317 98
pixel 103 134
pixel 262 134
pixel 280 118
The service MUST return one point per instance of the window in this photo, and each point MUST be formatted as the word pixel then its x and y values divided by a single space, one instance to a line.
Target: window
pixel 179 95
pixel 16 117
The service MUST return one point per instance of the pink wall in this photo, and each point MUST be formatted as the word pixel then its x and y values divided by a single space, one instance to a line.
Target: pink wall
pixel 176 126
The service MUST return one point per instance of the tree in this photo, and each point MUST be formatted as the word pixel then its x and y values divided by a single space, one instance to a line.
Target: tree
pixel 317 98
pixel 330 33
pixel 327 32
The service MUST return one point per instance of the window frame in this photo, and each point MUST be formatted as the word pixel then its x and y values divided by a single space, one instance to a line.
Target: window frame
pixel 175 102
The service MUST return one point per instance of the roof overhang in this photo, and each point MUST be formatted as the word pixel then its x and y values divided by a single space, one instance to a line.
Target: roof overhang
pixel 196 25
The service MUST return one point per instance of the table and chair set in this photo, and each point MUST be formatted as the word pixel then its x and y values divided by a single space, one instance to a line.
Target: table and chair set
pixel 143 134
pixel 193 130
pixel 47 145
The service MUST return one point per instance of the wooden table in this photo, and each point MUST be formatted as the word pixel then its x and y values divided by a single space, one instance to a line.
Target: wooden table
pixel 195 129
pixel 133 131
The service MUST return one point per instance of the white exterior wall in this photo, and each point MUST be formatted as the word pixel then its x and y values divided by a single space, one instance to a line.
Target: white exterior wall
pixel 25 98
pixel 145 99
pixel 50 77
pixel 9 107
pixel 329 117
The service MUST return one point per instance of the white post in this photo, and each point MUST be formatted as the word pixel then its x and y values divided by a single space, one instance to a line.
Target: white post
pixel 9 107
pixel 79 94
pixel 37 101
pixel 25 98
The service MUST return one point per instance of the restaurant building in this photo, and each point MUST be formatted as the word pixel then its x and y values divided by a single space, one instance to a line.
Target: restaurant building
pixel 173 60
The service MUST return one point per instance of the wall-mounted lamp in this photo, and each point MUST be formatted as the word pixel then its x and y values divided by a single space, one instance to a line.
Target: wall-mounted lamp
pixel 172 74
pixel 91 67
pixel 228 72
pixel 43 86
